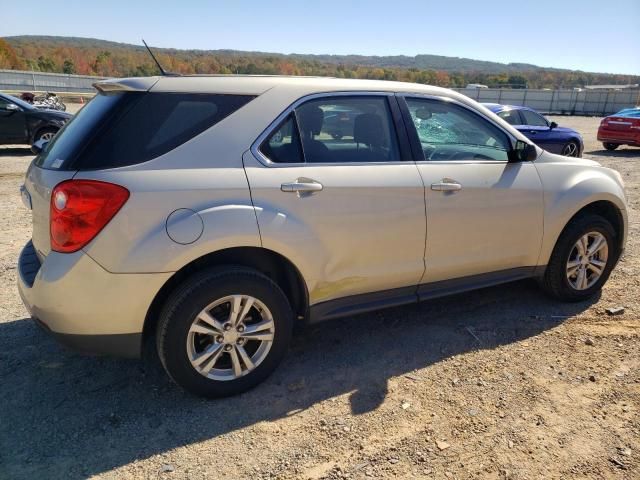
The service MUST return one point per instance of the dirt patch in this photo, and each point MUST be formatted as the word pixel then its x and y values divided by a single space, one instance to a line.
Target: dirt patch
pixel 501 383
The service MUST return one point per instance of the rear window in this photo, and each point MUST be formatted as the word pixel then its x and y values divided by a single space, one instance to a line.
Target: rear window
pixel 116 130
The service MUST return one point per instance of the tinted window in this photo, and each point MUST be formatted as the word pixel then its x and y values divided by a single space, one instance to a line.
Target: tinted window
pixel 347 130
pixel 510 116
pixel 533 119
pixel 450 132
pixel 62 150
pixel 283 145
pixel 127 128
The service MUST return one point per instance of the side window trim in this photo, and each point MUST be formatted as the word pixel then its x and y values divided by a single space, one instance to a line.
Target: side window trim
pixel 274 125
pixel 402 134
pixel 414 139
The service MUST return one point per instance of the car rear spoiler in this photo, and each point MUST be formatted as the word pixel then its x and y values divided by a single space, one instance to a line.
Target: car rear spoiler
pixel 141 84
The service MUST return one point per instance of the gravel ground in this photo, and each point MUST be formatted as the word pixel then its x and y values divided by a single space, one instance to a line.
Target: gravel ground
pixel 501 383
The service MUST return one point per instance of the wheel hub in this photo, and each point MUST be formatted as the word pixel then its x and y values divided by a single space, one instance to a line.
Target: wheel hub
pixel 587 260
pixel 230 337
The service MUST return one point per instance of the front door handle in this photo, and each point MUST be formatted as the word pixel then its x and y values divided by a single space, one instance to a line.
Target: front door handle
pixel 446 185
pixel 302 185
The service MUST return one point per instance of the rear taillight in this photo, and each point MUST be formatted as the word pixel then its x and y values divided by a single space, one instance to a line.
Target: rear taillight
pixel 80 209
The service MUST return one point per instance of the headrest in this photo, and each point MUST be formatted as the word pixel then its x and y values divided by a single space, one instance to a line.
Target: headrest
pixel 367 129
pixel 310 119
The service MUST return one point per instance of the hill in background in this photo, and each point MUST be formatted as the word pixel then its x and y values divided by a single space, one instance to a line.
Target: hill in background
pixel 90 56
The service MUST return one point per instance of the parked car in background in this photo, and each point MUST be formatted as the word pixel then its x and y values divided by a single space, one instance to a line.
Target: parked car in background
pixel 545 134
pixel 212 214
pixel 622 128
pixel 22 123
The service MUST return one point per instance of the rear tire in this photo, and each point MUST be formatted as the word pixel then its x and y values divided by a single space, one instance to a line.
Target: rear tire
pixel 610 146
pixel 557 280
pixel 222 361
pixel 571 149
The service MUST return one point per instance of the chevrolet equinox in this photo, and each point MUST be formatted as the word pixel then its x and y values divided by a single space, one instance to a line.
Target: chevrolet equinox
pixel 213 213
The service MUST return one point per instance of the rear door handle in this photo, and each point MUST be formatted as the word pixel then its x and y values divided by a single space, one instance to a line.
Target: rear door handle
pixel 302 185
pixel 446 185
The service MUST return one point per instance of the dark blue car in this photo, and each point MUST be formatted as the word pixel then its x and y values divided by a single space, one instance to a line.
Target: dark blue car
pixel 545 134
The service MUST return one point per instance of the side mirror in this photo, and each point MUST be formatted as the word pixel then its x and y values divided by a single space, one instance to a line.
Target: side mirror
pixel 38 146
pixel 12 107
pixel 523 152
pixel 553 125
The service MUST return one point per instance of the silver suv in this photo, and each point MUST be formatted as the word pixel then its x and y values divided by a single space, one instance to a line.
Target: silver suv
pixel 214 213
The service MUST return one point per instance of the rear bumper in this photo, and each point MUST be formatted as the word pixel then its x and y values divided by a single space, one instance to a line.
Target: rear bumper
pixel 126 345
pixel 619 136
pixel 84 306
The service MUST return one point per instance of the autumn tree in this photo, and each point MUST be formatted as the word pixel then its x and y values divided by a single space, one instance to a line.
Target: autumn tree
pixel 8 57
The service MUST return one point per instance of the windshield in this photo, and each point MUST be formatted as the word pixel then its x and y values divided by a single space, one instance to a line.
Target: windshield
pixel 17 101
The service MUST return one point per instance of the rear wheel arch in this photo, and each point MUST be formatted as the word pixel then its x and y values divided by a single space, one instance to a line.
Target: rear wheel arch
pixel 273 265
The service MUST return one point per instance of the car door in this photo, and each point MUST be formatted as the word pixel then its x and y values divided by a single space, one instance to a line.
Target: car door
pixel 348 210
pixel 537 128
pixel 12 123
pixel 484 213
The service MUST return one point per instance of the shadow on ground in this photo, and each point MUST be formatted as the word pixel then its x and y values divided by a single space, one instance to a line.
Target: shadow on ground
pixel 619 153
pixel 16 151
pixel 69 416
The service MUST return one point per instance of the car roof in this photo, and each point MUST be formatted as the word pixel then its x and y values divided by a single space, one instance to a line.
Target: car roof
pixel 497 107
pixel 258 84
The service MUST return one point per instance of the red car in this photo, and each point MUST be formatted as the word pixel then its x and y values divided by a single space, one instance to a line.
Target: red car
pixel 623 128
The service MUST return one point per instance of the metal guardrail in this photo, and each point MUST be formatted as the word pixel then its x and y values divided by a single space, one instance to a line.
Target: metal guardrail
pixel 17 80
pixel 570 102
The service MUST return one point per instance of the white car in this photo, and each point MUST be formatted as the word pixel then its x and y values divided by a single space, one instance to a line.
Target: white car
pixel 215 212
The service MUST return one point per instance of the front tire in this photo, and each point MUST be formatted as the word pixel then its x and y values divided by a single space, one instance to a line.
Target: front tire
pixel 610 146
pixel 582 259
pixel 45 134
pixel 224 331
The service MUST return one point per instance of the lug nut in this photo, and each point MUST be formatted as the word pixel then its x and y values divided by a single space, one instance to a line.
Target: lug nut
pixel 240 341
pixel 227 348
pixel 240 328
pixel 219 339
pixel 227 327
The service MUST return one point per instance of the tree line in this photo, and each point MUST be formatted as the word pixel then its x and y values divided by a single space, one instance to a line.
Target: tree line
pixel 119 60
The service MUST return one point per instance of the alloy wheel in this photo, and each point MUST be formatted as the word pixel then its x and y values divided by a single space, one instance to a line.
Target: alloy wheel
pixel 587 260
pixel 570 150
pixel 230 337
pixel 47 136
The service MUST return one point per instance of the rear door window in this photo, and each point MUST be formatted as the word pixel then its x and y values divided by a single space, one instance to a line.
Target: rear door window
pixel 347 130
pixel 283 145
pixel 116 130
pixel 512 117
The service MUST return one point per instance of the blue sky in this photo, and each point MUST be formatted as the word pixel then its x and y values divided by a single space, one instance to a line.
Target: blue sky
pixel 587 35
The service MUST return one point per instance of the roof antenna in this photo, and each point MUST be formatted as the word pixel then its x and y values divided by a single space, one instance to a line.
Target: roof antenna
pixel 162 70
